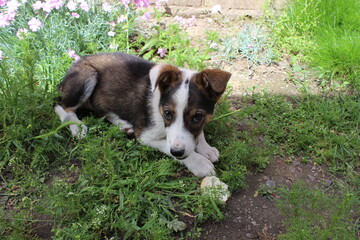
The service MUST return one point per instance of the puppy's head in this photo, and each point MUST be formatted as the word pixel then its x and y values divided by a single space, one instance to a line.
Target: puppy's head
pixel 186 103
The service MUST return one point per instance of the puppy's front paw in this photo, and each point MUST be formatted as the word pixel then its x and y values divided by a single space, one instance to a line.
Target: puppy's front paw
pixel 208 152
pixel 199 165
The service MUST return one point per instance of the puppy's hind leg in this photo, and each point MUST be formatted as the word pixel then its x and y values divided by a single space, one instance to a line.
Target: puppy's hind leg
pixel 78 130
pixel 123 125
pixel 76 89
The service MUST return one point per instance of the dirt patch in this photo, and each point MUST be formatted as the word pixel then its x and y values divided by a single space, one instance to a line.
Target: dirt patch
pixel 249 215
pixel 278 77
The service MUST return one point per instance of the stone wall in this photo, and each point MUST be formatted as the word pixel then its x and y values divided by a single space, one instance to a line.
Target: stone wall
pixel 254 8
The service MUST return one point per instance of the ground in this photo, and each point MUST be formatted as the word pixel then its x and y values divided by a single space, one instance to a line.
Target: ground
pixel 248 215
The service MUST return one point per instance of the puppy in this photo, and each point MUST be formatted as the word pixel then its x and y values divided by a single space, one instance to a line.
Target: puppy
pixel 164 106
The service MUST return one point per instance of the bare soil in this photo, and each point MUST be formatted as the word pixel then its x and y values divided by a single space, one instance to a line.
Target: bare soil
pixel 252 216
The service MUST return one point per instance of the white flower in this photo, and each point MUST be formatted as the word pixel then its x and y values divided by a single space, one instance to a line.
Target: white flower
pixel 71 5
pixel 216 8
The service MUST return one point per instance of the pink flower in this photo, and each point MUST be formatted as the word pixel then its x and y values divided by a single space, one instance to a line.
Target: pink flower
pixel 37 5
pixel 4 20
pixel 3 3
pixel 111 33
pixel 162 52
pixel 11 16
pixel 57 4
pixel 34 24
pixel 142 3
pixel 75 15
pixel 146 16
pixel 73 55
pixel 71 5
pixel 121 19
pixel 191 21
pixel 1 55
pixel 112 24
pixel 12 5
pixel 106 7
pixel 186 22
pixel 85 7
pixel 46 6
pixel 21 33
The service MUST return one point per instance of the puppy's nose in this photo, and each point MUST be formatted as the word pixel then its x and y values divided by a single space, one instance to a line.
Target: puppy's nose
pixel 177 152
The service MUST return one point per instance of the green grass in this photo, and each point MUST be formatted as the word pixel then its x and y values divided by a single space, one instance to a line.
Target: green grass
pixel 325 129
pixel 325 34
pixel 314 214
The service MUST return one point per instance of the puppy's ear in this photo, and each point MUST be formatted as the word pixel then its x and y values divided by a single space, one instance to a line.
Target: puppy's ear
pixel 214 81
pixel 163 76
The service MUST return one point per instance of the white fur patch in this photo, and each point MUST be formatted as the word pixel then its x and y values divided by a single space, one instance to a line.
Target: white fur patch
pixel 154 75
pixel 199 165
pixel 77 130
pixel 206 150
pixel 178 137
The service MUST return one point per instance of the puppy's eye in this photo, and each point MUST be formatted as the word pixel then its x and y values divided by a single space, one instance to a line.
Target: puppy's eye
pixel 168 115
pixel 198 117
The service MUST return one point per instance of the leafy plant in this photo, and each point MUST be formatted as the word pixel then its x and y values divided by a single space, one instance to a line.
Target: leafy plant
pixel 252 43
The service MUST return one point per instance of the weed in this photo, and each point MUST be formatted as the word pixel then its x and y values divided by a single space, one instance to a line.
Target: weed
pixel 266 190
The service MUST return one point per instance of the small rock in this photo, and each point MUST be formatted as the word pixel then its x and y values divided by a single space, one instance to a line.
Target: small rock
pixel 72 179
pixel 249 235
pixel 296 163
pixel 215 188
pixel 270 183
pixel 328 182
pixel 311 177
pixel 254 223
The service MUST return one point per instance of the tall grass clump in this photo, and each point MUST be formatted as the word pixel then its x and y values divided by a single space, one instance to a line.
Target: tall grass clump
pixel 326 33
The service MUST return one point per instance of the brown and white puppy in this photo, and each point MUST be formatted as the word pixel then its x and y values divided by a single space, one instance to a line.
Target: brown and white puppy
pixel 164 106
